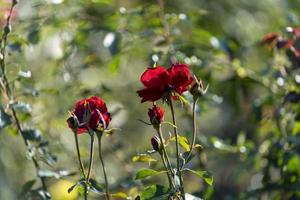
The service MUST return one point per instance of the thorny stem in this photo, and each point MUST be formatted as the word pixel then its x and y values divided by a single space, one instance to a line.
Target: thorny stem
pixel 7 90
pixel 177 146
pixel 165 157
pixel 194 131
pixel 99 135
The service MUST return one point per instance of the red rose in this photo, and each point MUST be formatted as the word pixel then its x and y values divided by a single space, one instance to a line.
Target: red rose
pixel 156 115
pixel 180 77
pixel 91 113
pixel 158 81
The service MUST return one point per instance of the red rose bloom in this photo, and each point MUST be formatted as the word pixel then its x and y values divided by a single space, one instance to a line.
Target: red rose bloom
pixel 156 115
pixel 158 81
pixel 91 113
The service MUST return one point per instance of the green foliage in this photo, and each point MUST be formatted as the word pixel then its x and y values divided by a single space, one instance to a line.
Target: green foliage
pixel 144 173
pixel 155 192
pixel 248 122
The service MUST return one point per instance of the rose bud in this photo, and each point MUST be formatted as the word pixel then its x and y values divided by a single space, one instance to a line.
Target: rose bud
pixel 155 143
pixel 73 122
pixel 198 89
pixel 156 115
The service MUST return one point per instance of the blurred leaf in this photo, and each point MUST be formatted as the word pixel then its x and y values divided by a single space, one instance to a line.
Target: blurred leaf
pixel 111 131
pixel 293 164
pixel 5 119
pixel 120 195
pixel 114 65
pixel 32 134
pixel 27 187
pixel 155 192
pixel 22 107
pixel 57 175
pixel 33 36
pixel 143 158
pixel 219 144
pixel 144 173
pixel 207 177
pixel 96 187
pixel 52 91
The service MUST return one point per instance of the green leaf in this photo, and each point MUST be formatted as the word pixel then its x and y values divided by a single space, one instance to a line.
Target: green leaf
pixel 143 158
pixel 207 177
pixel 5 119
pixel 183 142
pixel 120 195
pixel 155 192
pixel 144 173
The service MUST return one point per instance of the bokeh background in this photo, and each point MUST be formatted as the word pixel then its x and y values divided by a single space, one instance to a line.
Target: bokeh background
pixel 61 51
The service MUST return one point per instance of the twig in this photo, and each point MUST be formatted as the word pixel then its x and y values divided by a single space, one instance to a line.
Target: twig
pixel 194 131
pixel 8 91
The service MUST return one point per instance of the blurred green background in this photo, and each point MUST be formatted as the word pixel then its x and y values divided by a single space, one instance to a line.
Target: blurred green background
pixel 61 51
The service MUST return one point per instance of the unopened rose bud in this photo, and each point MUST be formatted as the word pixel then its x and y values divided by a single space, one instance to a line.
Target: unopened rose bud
pixel 156 115
pixel 198 89
pixel 155 143
pixel 15 2
pixel 73 122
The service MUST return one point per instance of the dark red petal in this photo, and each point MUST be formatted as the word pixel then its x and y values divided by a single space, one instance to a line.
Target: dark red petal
pixel 180 77
pixel 149 94
pixel 97 103
pixel 155 77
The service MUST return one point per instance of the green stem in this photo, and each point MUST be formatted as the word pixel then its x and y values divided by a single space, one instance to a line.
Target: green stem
pixel 194 131
pixel 177 146
pixel 91 156
pixel 165 157
pixel 99 135
pixel 78 155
